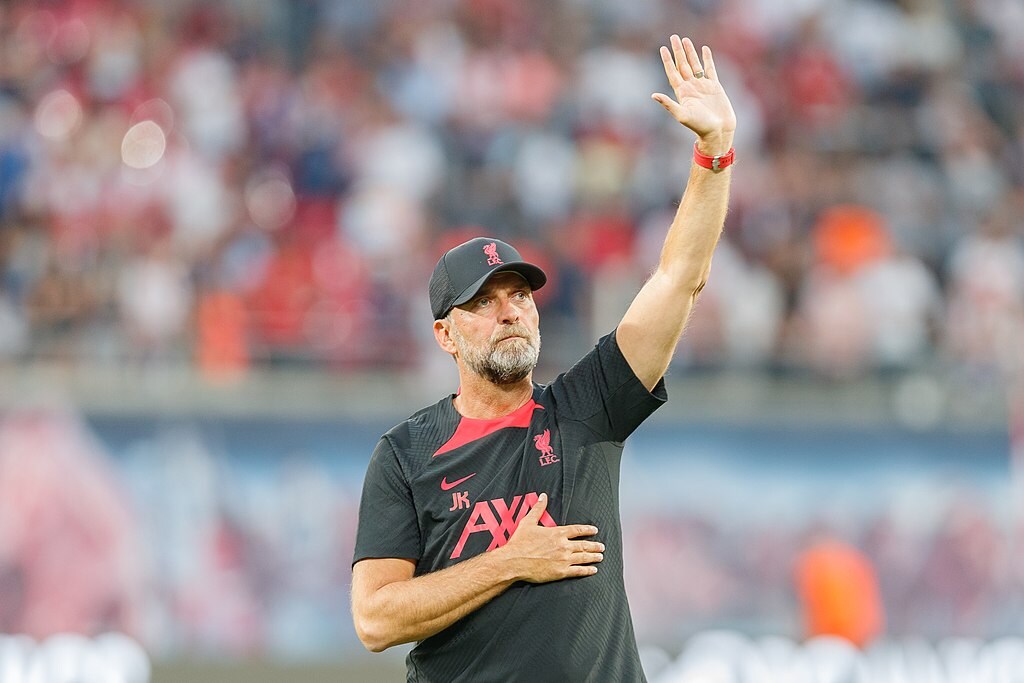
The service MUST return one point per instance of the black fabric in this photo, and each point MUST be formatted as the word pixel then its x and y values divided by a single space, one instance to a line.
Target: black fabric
pixel 571 630
pixel 462 271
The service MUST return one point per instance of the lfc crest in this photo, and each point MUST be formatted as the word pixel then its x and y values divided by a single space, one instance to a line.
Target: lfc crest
pixel 542 442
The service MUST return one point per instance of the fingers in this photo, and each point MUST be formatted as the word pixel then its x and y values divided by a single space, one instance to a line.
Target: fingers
pixel 686 60
pixel 574 530
pixel 584 561
pixel 581 570
pixel 709 63
pixel 682 64
pixel 586 552
pixel 532 517
pixel 551 553
pixel 674 79
pixel 585 558
pixel 692 60
pixel 587 547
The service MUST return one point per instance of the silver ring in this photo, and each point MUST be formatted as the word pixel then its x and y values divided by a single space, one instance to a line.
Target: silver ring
pixel 698 74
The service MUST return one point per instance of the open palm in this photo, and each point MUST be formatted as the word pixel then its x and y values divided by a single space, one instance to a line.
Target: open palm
pixel 700 102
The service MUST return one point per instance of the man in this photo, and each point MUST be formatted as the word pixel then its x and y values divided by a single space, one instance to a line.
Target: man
pixel 489 524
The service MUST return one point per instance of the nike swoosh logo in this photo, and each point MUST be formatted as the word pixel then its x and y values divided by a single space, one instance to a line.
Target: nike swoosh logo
pixel 445 486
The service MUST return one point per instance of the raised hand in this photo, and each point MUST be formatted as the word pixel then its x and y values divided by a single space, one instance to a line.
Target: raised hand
pixel 700 102
pixel 541 554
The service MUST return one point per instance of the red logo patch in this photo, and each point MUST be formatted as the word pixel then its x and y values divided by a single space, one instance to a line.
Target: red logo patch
pixel 542 442
pixel 492 255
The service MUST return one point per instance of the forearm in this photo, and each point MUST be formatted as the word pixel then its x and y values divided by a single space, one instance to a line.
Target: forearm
pixel 651 328
pixel 411 610
pixel 390 606
pixel 686 254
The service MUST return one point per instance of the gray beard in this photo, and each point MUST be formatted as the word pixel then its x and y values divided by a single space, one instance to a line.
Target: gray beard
pixel 500 362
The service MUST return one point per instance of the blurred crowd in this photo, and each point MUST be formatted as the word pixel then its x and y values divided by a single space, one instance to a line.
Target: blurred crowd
pixel 948 573
pixel 256 182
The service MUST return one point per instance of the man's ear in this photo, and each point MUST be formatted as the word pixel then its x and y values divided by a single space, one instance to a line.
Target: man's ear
pixel 443 337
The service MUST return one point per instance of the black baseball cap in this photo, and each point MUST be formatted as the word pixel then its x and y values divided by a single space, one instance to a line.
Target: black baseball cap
pixel 464 269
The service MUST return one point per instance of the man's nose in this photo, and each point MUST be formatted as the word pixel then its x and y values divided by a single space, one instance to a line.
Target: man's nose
pixel 508 313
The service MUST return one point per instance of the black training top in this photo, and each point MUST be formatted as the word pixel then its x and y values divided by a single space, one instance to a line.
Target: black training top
pixel 442 488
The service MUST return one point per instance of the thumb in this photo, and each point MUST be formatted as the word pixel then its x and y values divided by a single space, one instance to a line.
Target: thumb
pixel 671 105
pixel 533 516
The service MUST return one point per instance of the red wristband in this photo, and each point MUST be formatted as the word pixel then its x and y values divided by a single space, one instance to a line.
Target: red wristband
pixel 715 163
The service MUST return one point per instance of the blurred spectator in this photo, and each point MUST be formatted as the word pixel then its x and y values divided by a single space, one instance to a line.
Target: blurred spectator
pixel 986 302
pixel 739 316
pixel 839 594
pixel 255 137
pixel 155 296
pixel 223 351
pixel 961 572
pixel 863 304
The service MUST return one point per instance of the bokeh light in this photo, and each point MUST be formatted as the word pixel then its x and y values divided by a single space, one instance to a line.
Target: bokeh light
pixel 144 145
pixel 270 201
pixel 58 115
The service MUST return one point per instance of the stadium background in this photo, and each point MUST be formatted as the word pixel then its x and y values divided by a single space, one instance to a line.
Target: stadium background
pixel 216 225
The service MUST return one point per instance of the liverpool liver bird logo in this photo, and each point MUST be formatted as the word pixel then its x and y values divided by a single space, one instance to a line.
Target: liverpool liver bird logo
pixel 543 444
pixel 492 255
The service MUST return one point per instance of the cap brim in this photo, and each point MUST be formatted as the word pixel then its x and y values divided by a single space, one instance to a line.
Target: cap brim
pixel 533 275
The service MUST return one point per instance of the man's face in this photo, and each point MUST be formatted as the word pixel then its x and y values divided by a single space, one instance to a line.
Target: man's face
pixel 496 334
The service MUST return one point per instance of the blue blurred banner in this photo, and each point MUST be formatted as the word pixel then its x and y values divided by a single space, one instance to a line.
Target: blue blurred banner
pixel 233 537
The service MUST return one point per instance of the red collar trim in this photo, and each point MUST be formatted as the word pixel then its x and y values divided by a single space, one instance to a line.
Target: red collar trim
pixel 470 429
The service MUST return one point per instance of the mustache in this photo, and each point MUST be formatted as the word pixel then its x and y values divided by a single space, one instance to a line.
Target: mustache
pixel 511 331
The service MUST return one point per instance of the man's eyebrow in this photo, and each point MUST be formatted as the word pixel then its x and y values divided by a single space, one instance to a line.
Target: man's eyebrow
pixel 492 291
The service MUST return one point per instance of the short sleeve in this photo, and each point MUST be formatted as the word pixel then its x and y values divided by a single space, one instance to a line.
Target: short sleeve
pixel 603 391
pixel 388 524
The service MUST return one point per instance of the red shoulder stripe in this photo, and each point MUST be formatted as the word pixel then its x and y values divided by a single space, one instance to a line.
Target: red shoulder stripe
pixel 470 429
